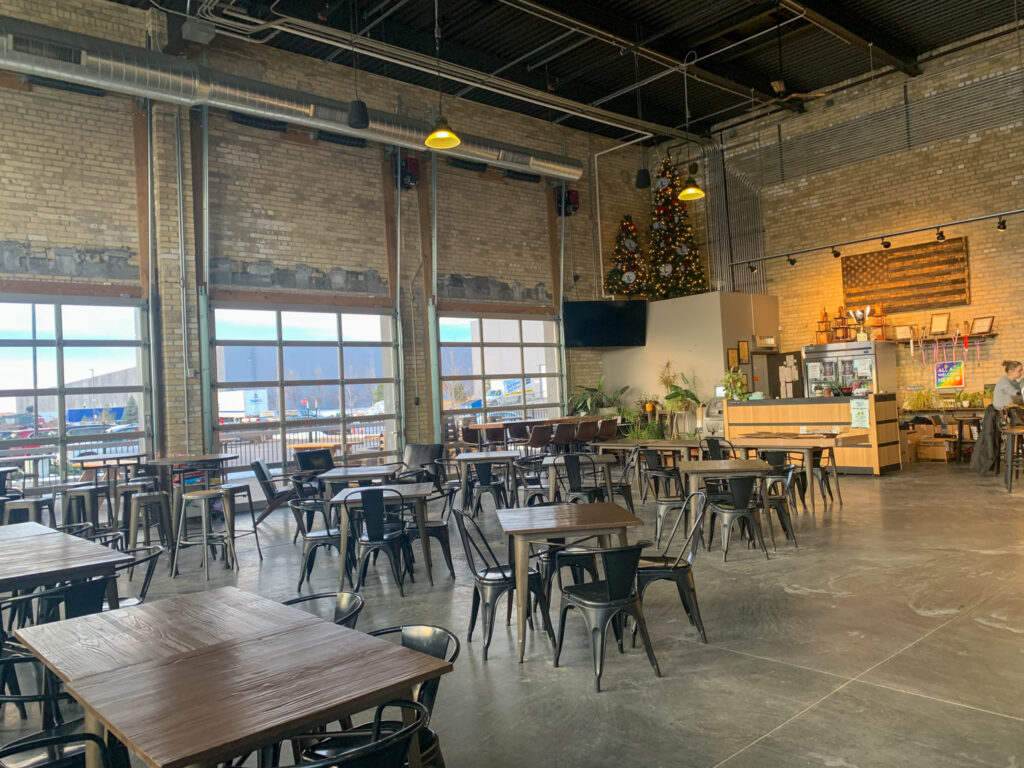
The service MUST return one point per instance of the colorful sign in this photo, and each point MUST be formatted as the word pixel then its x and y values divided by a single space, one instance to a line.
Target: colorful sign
pixel 949 375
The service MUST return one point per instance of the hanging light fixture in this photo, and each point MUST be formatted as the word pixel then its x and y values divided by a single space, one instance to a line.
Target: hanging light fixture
pixel 691 190
pixel 643 175
pixel 752 268
pixel 885 243
pixel 358 115
pixel 791 260
pixel 1001 226
pixel 835 253
pixel 441 134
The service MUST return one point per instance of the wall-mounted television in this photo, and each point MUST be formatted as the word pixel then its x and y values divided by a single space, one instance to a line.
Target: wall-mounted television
pixel 605 323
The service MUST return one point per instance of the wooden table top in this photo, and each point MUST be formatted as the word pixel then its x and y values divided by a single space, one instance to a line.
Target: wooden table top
pixel 533 422
pixel 409 491
pixel 199 458
pixel 21 530
pixel 159 629
pixel 359 473
pixel 474 456
pixel 597 458
pixel 565 518
pixel 102 459
pixel 47 559
pixel 725 467
pixel 315 446
pixel 796 440
pixel 665 444
pixel 211 703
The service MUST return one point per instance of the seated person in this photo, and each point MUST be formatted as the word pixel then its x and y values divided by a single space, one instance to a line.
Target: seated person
pixel 1007 391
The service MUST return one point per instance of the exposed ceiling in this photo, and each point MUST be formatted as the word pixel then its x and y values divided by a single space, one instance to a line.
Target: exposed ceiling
pixel 596 51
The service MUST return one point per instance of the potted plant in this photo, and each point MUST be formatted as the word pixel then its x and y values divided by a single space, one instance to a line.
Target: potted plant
pixel 682 400
pixel 591 400
pixel 735 388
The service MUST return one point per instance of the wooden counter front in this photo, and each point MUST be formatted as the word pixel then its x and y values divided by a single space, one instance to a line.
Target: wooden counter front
pixel 881 453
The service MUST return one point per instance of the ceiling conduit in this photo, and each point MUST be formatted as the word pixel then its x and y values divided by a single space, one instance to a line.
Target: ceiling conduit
pixel 33 49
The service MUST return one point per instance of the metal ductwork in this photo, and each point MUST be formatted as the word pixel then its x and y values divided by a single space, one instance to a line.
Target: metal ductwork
pixel 33 49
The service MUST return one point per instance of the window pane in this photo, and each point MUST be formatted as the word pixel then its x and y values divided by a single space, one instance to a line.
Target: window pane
pixel 366 327
pixel 314 436
pixel 309 326
pixel 310 363
pixel 458 329
pixel 15 321
pixel 369 399
pixel 236 406
pixel 317 401
pixel 543 413
pixel 251 444
pixel 102 366
pixel 102 323
pixel 371 436
pixel 540 332
pixel 542 389
pixel 369 362
pixel 246 364
pixel 45 321
pixel 460 361
pixel 502 360
pixel 16 368
pixel 461 394
pixel 504 331
pixel 97 413
pixel 540 359
pixel 504 393
pixel 245 324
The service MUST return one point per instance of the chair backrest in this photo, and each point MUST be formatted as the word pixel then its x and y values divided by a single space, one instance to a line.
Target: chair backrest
pixel 777 459
pixel 54 747
pixel 586 431
pixel 423 456
pixel 474 543
pixel 495 434
pixel 716 448
pixel 469 436
pixel 303 507
pixel 564 434
pixel 146 557
pixel 518 430
pixel 651 458
pixel 343 607
pixel 619 565
pixel 316 459
pixel 262 472
pixel 574 469
pixel 741 488
pixel 433 641
pixel 695 503
pixel 607 429
pixel 384 751
pixel 627 466
pixel 540 436
pixel 371 503
pixel 484 473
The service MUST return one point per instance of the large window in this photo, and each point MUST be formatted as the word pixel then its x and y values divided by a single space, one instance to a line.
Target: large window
pixel 72 383
pixel 498 369
pixel 284 380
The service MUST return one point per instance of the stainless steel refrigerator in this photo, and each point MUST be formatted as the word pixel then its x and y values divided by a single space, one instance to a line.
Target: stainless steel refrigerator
pixel 850 365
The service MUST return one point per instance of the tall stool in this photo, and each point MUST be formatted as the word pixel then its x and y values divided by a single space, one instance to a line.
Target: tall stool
pixel 142 506
pixel 29 509
pixel 82 505
pixel 125 492
pixel 209 538
pixel 231 492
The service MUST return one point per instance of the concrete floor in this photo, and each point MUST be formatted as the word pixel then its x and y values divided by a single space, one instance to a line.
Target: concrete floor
pixel 894 635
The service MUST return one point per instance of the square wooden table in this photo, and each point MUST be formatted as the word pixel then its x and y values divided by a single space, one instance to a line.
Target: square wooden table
pixel 200 679
pixel 526 524
pixel 21 530
pixel 362 474
pixel 417 493
pixel 485 457
pixel 724 468
pixel 39 558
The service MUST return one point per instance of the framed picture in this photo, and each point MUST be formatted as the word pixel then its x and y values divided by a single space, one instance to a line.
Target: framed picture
pixel 744 350
pixel 903 332
pixel 982 325
pixel 746 383
pixel 733 357
pixel 939 325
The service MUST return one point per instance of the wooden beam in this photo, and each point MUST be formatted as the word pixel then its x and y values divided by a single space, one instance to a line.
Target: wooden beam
pixel 140 145
pixel 493 308
pixel 12 82
pixel 554 246
pixel 298 298
pixel 49 288
pixel 423 203
pixel 387 176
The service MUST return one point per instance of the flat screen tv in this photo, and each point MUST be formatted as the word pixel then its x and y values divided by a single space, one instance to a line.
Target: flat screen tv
pixel 605 323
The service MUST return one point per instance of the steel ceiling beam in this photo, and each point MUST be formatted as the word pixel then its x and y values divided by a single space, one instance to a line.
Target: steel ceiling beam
pixel 859 32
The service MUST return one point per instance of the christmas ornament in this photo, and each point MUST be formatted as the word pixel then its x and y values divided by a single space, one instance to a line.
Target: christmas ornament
pixel 629 277
pixel 630 243
pixel 682 250
pixel 665 270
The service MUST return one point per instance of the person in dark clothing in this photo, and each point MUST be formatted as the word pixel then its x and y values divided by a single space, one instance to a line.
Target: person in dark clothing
pixel 986 450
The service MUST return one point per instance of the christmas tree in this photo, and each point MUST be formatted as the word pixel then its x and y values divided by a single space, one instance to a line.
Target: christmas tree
pixel 674 266
pixel 628 275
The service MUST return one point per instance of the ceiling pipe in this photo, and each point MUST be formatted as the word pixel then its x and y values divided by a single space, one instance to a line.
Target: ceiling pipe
pixel 33 49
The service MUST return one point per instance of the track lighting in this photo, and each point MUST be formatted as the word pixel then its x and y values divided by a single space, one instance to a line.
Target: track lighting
pixel 643 178
pixel 835 253
pixel 939 234
pixel 752 268
pixel 1001 226
pixel 791 260
pixel 885 243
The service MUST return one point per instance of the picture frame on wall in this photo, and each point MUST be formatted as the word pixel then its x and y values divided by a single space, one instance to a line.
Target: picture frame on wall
pixel 982 325
pixel 939 325
pixel 746 382
pixel 903 332
pixel 733 355
pixel 744 350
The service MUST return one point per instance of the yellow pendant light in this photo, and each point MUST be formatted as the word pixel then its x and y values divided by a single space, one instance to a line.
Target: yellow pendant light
pixel 441 134
pixel 691 190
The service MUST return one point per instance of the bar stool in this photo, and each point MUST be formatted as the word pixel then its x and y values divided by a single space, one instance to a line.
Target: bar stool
pixel 205 499
pixel 82 505
pixel 231 492
pixel 32 507
pixel 564 434
pixel 142 506
pixel 125 492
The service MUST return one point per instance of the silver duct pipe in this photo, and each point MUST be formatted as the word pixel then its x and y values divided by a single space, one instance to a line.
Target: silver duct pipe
pixel 33 49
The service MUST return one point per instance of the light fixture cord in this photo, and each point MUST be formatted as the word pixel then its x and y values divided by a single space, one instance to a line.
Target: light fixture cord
pixel 353 20
pixel 437 53
pixel 639 112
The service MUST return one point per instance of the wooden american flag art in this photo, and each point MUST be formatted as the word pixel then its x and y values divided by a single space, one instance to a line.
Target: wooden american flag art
pixel 913 277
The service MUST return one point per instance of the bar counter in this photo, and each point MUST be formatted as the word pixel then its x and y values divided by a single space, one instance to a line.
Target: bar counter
pixel 881 453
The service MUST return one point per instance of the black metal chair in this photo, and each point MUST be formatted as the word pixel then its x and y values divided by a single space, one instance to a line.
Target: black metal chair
pixel 622 487
pixel 59 750
pixel 487 482
pixel 678 569
pixel 492 579
pixel 305 512
pixel 604 602
pixel 742 506
pixel 717 449
pixel 420 461
pixel 275 496
pixel 145 559
pixel 388 747
pixel 367 512
pixel 573 471
pixel 530 477
pixel 342 608
pixel 654 471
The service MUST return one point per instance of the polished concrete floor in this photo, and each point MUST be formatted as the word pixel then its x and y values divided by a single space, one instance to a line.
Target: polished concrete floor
pixel 893 635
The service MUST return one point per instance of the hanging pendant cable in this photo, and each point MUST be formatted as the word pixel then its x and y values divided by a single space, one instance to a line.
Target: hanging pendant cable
pixel 437 53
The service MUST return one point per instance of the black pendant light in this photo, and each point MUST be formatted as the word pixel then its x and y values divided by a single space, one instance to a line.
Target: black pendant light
pixel 358 115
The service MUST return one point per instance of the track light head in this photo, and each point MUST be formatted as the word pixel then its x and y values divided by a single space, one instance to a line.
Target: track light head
pixel 886 243
pixel 791 260
pixel 752 268
pixel 643 178
pixel 1001 226
pixel 939 234
pixel 835 253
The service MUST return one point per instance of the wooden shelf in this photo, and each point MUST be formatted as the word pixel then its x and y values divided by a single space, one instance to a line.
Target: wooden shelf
pixel 982 336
